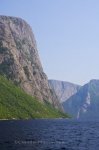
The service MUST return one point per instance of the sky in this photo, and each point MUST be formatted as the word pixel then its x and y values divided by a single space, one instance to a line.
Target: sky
pixel 67 35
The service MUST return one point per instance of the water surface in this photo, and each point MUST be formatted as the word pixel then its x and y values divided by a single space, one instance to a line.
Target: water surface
pixel 49 134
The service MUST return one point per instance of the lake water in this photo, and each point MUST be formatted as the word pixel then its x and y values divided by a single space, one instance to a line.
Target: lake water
pixel 46 134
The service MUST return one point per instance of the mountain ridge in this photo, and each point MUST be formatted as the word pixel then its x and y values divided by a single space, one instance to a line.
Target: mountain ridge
pixel 85 103
pixel 63 89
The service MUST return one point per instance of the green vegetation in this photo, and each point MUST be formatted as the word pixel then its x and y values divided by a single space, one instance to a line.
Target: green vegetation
pixel 16 104
pixel 5 67
pixel 3 50
pixel 18 44
pixel 26 71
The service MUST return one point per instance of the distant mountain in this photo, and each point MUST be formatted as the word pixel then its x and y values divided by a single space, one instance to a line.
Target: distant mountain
pixel 85 103
pixel 63 89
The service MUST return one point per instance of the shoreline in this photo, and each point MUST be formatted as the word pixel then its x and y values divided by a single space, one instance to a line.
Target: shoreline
pixel 34 119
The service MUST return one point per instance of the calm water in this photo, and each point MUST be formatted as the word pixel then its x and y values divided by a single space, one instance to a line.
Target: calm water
pixel 49 135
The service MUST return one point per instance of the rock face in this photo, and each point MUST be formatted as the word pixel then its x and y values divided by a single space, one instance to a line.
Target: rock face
pixel 63 90
pixel 19 59
pixel 85 103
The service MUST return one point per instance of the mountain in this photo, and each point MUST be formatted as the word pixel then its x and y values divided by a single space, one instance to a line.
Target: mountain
pixel 63 89
pixel 16 104
pixel 85 103
pixel 20 62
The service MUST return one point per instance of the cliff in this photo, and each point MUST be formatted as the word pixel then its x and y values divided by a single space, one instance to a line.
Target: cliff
pixel 63 89
pixel 20 62
pixel 85 103
pixel 16 104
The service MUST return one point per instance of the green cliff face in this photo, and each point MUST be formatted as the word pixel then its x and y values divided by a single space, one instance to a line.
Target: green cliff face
pixel 20 62
pixel 16 104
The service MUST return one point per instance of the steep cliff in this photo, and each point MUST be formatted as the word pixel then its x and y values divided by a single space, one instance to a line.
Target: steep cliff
pixel 85 103
pixel 19 59
pixel 63 89
pixel 16 104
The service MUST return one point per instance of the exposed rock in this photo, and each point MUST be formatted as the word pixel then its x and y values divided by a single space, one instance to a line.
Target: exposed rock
pixel 63 89
pixel 19 59
pixel 85 103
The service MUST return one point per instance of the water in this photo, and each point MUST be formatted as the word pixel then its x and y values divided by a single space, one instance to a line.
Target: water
pixel 45 134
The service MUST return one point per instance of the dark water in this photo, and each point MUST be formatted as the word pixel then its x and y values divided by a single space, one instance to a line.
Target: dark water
pixel 49 135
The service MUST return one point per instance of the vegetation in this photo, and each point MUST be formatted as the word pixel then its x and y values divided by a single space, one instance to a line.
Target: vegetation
pixel 3 50
pixel 26 71
pixel 5 67
pixel 16 104
pixel 18 44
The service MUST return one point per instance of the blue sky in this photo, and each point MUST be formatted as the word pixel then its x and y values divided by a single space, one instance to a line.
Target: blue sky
pixel 67 35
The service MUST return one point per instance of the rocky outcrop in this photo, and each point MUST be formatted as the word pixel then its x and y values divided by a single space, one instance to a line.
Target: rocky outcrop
pixel 19 59
pixel 63 89
pixel 85 103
